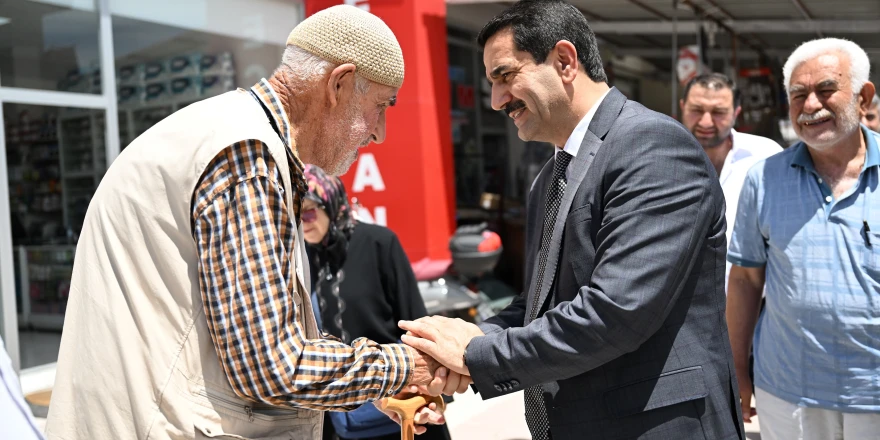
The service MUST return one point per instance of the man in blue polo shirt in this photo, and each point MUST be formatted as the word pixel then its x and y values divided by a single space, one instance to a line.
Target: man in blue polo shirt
pixel 808 230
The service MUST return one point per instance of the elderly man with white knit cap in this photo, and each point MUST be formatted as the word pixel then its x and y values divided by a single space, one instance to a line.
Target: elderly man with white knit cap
pixel 189 312
pixel 807 232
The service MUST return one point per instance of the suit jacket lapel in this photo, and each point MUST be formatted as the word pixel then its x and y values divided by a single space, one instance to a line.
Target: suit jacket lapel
pixel 605 116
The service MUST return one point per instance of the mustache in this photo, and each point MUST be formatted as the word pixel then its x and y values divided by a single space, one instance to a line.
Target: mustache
pixel 513 106
pixel 811 117
pixel 695 129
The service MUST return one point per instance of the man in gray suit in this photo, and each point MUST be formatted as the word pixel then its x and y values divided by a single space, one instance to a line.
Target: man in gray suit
pixel 621 333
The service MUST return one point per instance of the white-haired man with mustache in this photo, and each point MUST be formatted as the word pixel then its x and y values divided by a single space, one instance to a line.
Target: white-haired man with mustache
pixel 808 231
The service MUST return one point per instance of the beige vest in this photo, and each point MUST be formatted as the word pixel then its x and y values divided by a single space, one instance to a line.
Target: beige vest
pixel 137 359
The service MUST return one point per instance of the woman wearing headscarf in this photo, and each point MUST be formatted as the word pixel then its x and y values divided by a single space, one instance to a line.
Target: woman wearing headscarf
pixel 362 280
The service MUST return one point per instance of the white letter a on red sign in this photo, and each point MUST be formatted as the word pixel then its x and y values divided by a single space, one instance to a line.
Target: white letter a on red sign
pixel 367 174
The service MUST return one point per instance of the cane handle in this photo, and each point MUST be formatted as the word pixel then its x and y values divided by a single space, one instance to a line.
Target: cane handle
pixel 407 408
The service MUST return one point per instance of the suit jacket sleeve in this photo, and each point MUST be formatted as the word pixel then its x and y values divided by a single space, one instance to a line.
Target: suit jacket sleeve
pixel 657 206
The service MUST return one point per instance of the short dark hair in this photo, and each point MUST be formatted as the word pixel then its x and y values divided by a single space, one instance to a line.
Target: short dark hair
pixel 714 81
pixel 539 24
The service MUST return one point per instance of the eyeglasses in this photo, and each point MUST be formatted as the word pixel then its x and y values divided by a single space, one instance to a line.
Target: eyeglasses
pixel 309 215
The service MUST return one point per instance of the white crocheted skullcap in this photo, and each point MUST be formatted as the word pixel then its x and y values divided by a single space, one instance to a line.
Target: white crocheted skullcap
pixel 346 34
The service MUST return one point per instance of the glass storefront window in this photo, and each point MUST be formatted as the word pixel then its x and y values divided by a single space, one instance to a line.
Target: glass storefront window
pixel 55 159
pixel 171 54
pixel 465 100
pixel 50 45
pixel 493 168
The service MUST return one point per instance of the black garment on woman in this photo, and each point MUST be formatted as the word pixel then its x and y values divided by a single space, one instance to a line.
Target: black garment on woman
pixel 378 289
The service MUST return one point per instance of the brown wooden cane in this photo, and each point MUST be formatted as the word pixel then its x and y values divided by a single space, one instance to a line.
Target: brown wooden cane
pixel 406 409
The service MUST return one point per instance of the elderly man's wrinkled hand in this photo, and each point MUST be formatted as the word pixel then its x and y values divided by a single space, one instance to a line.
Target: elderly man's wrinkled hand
pixel 429 377
pixel 444 382
pixel 456 383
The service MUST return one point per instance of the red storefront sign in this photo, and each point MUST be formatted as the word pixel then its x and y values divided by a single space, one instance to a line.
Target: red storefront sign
pixel 406 183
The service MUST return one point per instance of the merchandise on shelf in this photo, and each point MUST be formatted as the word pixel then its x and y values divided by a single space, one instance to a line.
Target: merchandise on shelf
pixel 213 85
pixel 81 81
pixel 155 71
pixel 184 65
pixel 176 81
pixel 43 276
pixel 217 64
pixel 35 192
pixel 185 88
pixel 129 95
pixel 156 93
pixel 83 161
pixel 131 74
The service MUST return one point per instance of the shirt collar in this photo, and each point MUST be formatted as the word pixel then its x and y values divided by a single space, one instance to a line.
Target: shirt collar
pixel 734 145
pixel 872 158
pixel 267 94
pixel 573 144
pixel 739 149
pixel 264 91
pixel 803 159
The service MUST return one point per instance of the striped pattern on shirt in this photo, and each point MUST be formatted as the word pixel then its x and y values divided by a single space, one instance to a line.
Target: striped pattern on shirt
pixel 245 240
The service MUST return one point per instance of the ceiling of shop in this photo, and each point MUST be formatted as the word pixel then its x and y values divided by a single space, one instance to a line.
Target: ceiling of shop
pixel 769 27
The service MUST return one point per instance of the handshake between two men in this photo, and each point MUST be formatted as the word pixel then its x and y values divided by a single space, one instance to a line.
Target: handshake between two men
pixel 440 343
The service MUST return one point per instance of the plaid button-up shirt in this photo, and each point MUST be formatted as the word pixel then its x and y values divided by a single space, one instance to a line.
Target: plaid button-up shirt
pixel 245 240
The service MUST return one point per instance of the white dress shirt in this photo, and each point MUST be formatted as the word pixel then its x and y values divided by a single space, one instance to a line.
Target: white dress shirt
pixel 746 152
pixel 573 144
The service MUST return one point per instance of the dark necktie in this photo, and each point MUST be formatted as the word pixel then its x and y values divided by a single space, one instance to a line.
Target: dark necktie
pixel 536 409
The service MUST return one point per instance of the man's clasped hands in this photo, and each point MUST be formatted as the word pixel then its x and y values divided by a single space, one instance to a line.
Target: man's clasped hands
pixel 440 344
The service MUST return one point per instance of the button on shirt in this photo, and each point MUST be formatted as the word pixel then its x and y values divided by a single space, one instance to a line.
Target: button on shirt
pixel 817 342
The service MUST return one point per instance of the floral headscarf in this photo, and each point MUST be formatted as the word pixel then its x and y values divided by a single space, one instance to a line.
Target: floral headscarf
pixel 330 195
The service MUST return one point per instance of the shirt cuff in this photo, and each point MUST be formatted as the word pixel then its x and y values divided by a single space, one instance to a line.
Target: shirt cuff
pixel 399 367
pixel 742 262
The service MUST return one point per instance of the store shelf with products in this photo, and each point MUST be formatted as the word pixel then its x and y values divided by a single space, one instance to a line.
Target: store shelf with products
pixel 83 161
pixel 55 157
pixel 34 174
pixel 151 91
pixel 43 280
